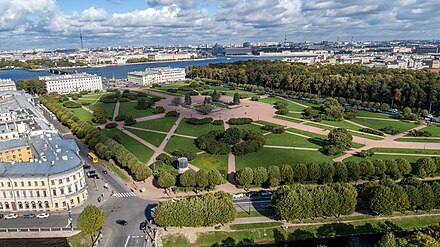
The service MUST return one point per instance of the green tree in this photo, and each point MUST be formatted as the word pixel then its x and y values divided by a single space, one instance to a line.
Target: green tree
pixel 354 170
pixel 341 172
pixel 339 140
pixel 236 98
pixel 214 178
pixel 382 200
pixel 244 176
pixel 380 168
pixel 327 172
pixel 387 240
pixel 142 104
pixel 426 167
pixel 188 178
pixel 100 115
pixel 274 172
pixel 314 171
pixel 293 202
pixel 286 172
pixel 91 220
pixel 177 101
pixel 260 176
pixel 215 96
pixel 166 180
pixel 188 100
pixel 142 172
pixel 33 86
pixel 202 178
pixel 367 169
pixel 300 172
pixel 232 136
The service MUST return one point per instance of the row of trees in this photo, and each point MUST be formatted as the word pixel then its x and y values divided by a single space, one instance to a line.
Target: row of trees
pixel 201 179
pixel 297 202
pixel 429 236
pixel 208 210
pixel 331 110
pixel 406 87
pixel 105 147
pixel 36 63
pixel 328 172
pixel 386 197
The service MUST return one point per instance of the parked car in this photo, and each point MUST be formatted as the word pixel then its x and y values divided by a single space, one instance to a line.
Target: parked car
pixel 104 171
pixel 85 166
pixel 143 225
pixel 11 216
pixel 252 194
pixel 95 176
pixel 266 193
pixel 42 215
pixel 28 216
pixel 238 195
pixel 122 222
pixel 91 173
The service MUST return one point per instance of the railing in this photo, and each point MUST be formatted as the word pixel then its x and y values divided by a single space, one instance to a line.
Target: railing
pixel 42 229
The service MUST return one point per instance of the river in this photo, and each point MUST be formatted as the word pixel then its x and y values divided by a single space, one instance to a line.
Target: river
pixel 120 71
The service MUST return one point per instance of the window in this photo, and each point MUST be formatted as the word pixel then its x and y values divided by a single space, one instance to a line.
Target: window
pixel 64 204
pixel 22 184
pixel 31 193
pixel 44 193
pixel 56 204
pixel 67 179
pixel 71 202
pixel 60 181
pixel 29 183
pixel 36 183
pixel 38 193
pixel 17 193
pixel 54 192
pixel 9 184
pixel 15 184
pixel 42 183
pixel 2 184
pixel 52 182
pixel 70 190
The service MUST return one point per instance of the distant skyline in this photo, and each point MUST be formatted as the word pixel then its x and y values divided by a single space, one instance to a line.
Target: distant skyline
pixel 55 24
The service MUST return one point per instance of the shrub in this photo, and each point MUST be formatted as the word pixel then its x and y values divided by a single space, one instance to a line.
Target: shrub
pixel 199 121
pixel 172 114
pixel 365 153
pixel 371 131
pixel 71 104
pixel 129 120
pixel 120 118
pixel 419 133
pixel 239 121
pixel 158 110
pixel 282 111
pixel 182 153
pixel 111 125
pixel 390 130
pixel 217 122
pixel 255 98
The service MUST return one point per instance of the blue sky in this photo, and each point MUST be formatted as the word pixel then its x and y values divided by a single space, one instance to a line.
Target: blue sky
pixel 55 23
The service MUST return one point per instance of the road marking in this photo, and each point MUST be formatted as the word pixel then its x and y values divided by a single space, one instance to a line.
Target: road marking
pixel 128 194
pixel 126 242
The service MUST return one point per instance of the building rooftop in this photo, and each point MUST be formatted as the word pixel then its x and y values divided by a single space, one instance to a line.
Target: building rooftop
pixel 65 77
pixel 14 143
pixel 13 101
pixel 6 82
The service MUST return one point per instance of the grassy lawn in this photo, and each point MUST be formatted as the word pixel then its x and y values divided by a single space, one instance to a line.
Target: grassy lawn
pixel 317 125
pixel 151 137
pixel 255 225
pixel 210 162
pixel 260 213
pixel 371 137
pixel 251 127
pixel 175 241
pixel 276 234
pixel 83 114
pixel 142 152
pixel 269 123
pixel 274 156
pixel 196 130
pixel 92 95
pixel 405 150
pixel 128 109
pixel 86 100
pixel 108 107
pixel 373 114
pixel 434 129
pixel 295 115
pixel 290 140
pixel 303 102
pixel 287 119
pixel 117 171
pixel 380 124
pixel 418 140
pixel 411 159
pixel 307 133
pixel 177 142
pixel 161 124
pixel 290 106
pixel 80 240
pixel 341 124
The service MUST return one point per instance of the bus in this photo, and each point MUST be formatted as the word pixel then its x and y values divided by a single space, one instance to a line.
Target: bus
pixel 93 157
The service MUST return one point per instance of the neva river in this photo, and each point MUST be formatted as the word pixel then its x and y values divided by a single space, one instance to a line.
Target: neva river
pixel 120 72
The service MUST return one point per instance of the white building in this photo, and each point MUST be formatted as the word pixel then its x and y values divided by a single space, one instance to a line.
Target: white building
pixel 7 84
pixel 65 84
pixel 158 75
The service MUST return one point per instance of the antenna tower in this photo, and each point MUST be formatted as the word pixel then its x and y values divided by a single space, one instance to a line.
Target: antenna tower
pixel 81 38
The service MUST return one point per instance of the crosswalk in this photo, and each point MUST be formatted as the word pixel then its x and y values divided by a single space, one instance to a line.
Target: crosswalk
pixel 128 194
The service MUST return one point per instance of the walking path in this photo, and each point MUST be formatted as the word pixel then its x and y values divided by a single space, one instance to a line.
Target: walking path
pixel 116 111
pixel 291 101
pixel 137 138
pixel 160 149
pixel 289 147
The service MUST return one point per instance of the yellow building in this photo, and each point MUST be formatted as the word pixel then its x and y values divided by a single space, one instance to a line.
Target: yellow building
pixel 17 150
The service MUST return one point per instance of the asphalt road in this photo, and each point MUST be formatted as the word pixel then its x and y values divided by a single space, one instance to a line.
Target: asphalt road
pixel 246 204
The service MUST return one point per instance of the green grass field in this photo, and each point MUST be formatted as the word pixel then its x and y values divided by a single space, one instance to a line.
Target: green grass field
pixel 269 123
pixel 151 137
pixel 127 108
pixel 295 115
pixel 307 133
pixel 380 124
pixel 290 106
pixel 434 129
pixel 303 102
pixel 405 150
pixel 317 125
pixel 83 114
pixel 175 241
pixel 177 142
pixel 411 159
pixel 92 95
pixel 287 119
pixel 210 162
pixel 196 130
pixel 117 171
pixel 421 139
pixel 142 152
pixel 161 124
pixel 255 225
pixel 290 140
pixel 80 240
pixel 108 107
pixel 251 127
pixel 373 114
pixel 341 124
pixel 274 156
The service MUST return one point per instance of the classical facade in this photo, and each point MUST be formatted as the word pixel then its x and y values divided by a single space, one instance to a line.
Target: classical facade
pixel 65 84
pixel 7 84
pixel 158 75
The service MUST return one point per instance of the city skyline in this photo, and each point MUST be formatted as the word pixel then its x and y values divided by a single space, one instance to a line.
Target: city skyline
pixel 56 24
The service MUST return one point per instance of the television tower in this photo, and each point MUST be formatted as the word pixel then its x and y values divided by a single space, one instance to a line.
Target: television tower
pixel 81 38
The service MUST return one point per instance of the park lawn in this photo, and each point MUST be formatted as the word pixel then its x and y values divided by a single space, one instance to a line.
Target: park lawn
pixel 83 114
pixel 307 133
pixel 210 162
pixel 127 108
pixel 411 159
pixel 275 156
pixel 142 152
pixel 255 225
pixel 434 129
pixel 176 240
pixel 80 240
pixel 317 125
pixel 380 124
pixel 108 107
pixel 275 234
pixel 287 119
pixel 295 115
pixel 151 137
pixel 269 123
pixel 341 124
pixel 161 124
pixel 290 140
pixel 229 92
pixel 251 127
pixel 371 137
pixel 117 171
pixel 81 100
pixel 360 113
pixel 421 139
pixel 177 142
pixel 405 150
pixel 196 130
pixel 303 102
pixel 290 106
pixel 92 96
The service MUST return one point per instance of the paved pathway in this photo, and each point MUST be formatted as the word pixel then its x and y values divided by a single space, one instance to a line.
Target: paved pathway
pixel 116 111
pixel 289 147
pixel 291 101
pixel 137 138
pixel 147 130
pixel 161 147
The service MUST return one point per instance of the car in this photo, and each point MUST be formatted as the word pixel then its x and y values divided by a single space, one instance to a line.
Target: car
pixel 238 195
pixel 11 216
pixel 252 194
pixel 122 222
pixel 266 193
pixel 104 171
pixel 91 173
pixel 95 176
pixel 42 215
pixel 28 216
pixel 143 225
pixel 86 166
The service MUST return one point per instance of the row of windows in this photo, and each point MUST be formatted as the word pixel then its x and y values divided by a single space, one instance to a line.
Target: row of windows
pixel 24 193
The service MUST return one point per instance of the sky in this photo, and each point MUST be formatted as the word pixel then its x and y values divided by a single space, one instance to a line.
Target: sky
pixel 56 23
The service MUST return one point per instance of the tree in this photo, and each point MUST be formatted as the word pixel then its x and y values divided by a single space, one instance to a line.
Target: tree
pixel 166 180
pixel 260 175
pixel 236 98
pixel 387 240
pixel 214 178
pixel 274 172
pixel 129 120
pixel 91 220
pixel 204 109
pixel 327 172
pixel 142 172
pixel 244 176
pixel 286 172
pixel 354 170
pixel 341 172
pixel 100 115
pixel 425 167
pixel 314 171
pixel 232 136
pixel 300 172
pixel 367 168
pixel 33 86
pixel 188 178
pixel 215 96
pixel 188 100
pixel 142 104
pixel 379 167
pixel 339 140
pixel 382 200
pixel 202 178
pixel 177 101
pixel 293 202
pixel 424 113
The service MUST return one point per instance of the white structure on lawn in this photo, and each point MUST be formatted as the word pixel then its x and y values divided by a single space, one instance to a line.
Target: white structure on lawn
pixel 65 84
pixel 7 84
pixel 158 75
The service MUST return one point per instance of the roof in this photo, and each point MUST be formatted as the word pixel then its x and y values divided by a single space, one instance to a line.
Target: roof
pixel 14 143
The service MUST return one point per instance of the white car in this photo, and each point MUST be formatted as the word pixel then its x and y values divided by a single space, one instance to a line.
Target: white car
pixel 42 215
pixel 239 195
pixel 11 216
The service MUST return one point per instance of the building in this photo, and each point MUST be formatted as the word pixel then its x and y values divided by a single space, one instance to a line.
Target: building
pixel 170 56
pixel 39 171
pixel 237 51
pixel 7 84
pixel 158 75
pixel 65 84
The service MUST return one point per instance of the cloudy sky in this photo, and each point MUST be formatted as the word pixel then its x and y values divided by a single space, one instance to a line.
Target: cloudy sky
pixel 56 23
